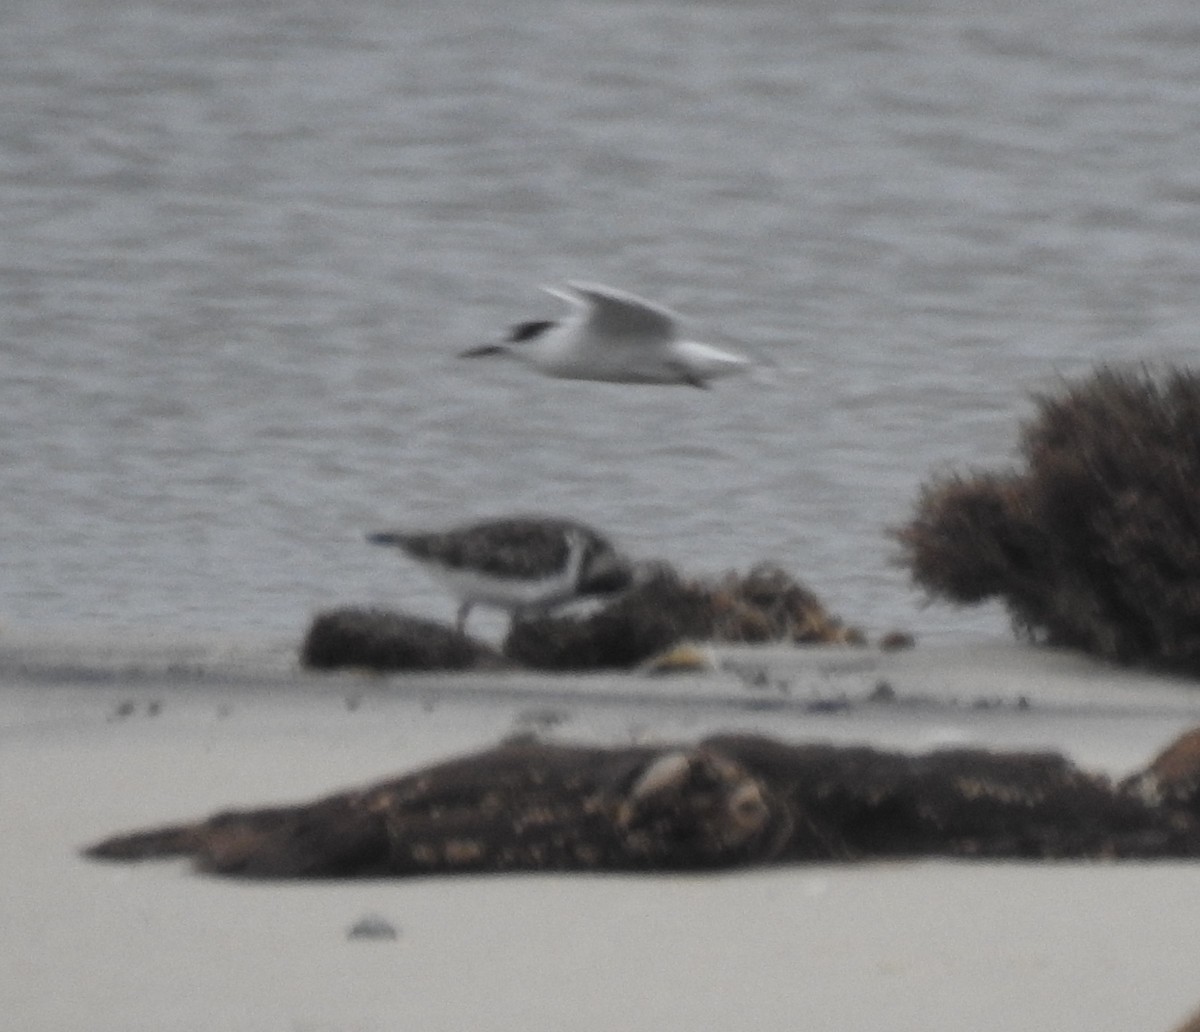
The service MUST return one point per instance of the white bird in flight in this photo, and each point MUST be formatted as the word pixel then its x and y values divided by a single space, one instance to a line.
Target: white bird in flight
pixel 615 337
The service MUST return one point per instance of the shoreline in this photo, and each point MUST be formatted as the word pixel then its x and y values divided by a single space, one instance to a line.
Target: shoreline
pixel 104 731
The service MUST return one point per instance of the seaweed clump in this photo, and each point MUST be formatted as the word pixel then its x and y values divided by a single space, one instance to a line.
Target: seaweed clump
pixel 1095 544
pixel 664 609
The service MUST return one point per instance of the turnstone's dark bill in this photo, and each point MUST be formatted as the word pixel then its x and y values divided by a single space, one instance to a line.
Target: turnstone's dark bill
pixel 527 565
pixel 616 337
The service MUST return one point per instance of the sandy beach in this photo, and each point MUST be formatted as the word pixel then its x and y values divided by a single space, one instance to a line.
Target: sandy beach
pixel 103 732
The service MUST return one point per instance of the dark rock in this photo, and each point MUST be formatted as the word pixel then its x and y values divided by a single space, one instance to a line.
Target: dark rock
pixel 382 640
pixel 664 609
pixel 657 613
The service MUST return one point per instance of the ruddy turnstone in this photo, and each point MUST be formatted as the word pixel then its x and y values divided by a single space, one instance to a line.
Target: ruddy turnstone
pixel 615 337
pixel 525 564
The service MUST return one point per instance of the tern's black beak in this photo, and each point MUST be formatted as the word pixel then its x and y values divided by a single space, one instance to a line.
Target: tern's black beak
pixel 518 334
pixel 529 330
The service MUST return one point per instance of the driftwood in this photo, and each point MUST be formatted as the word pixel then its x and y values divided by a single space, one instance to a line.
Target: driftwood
pixel 730 801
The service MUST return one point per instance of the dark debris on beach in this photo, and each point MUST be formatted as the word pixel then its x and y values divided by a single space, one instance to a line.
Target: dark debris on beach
pixel 662 610
pixel 731 800
pixel 379 639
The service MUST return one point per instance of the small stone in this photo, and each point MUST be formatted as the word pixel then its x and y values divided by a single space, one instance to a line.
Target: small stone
pixel 684 658
pixel 895 640
pixel 836 705
pixel 123 710
pixel 372 926
pixel 882 692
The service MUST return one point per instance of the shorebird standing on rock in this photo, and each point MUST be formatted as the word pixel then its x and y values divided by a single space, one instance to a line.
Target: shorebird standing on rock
pixel 527 565
pixel 615 337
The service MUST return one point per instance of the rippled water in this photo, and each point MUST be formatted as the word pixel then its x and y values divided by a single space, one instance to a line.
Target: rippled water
pixel 240 244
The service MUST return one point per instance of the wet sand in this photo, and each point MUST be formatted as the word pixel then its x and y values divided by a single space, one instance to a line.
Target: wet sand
pixel 103 731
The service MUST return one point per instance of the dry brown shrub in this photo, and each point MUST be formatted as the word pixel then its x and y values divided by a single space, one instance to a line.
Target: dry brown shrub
pixel 1095 542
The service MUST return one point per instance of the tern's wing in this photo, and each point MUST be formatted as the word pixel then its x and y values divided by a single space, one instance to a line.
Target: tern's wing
pixel 618 315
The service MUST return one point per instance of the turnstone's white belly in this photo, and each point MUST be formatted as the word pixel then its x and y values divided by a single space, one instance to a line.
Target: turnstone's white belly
pixel 512 593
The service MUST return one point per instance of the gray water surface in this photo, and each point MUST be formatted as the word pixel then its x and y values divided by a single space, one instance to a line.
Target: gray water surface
pixel 241 243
